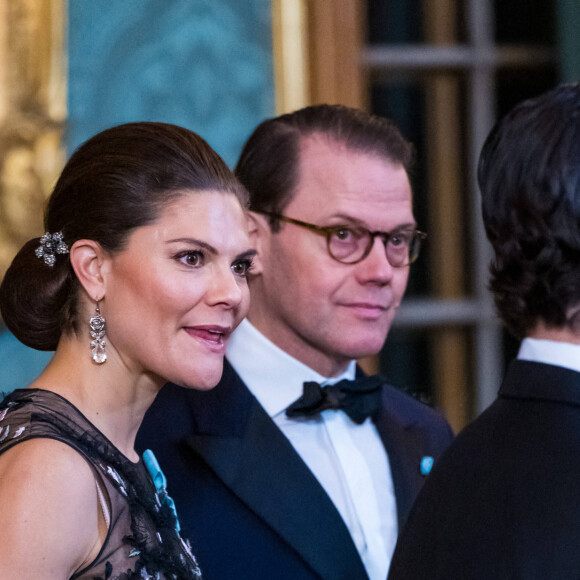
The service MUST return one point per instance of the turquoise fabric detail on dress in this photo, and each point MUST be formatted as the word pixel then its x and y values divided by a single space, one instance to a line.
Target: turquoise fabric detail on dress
pixel 160 482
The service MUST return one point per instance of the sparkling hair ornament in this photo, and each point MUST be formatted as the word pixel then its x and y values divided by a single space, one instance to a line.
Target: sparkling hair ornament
pixel 97 331
pixel 50 245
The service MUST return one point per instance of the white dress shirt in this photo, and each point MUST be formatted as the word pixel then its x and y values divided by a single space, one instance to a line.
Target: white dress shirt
pixel 349 460
pixel 551 352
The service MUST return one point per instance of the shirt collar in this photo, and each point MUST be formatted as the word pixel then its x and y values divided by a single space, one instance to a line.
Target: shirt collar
pixel 273 376
pixel 551 352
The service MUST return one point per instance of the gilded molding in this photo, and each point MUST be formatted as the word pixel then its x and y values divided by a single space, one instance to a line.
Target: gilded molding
pixel 32 115
pixel 290 46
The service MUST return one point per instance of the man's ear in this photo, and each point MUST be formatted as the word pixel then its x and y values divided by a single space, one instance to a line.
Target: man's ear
pixel 88 258
pixel 259 231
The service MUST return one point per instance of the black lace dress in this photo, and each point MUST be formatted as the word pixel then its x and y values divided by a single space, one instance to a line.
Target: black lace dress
pixel 142 541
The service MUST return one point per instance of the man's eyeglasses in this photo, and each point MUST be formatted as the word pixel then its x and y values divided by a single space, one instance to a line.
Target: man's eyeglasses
pixel 352 244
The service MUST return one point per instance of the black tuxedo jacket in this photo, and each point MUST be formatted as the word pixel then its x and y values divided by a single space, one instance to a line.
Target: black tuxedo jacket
pixel 245 499
pixel 504 501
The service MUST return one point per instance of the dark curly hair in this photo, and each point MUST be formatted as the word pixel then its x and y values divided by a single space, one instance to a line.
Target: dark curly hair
pixel 269 163
pixel 529 176
pixel 115 182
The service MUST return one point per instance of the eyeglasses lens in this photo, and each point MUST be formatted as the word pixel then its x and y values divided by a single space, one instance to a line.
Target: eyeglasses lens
pixel 350 246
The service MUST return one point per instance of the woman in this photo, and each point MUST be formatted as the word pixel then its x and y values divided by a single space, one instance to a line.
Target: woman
pixel 139 280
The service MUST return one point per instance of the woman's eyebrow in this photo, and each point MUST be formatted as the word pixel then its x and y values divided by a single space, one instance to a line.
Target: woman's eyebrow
pixel 194 242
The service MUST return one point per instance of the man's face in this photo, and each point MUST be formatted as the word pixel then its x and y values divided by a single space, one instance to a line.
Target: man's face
pixel 320 311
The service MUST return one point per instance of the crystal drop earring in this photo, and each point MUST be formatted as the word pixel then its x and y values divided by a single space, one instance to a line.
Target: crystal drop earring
pixel 97 331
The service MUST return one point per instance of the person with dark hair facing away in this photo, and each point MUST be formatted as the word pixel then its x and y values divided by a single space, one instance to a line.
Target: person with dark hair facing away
pixel 270 479
pixel 139 279
pixel 502 502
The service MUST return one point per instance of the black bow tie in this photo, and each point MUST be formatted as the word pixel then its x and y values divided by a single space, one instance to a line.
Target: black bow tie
pixel 359 399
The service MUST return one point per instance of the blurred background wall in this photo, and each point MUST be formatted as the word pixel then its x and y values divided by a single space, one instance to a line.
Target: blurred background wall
pixel 444 71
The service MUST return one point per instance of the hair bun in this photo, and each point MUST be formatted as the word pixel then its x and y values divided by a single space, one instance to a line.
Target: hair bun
pixel 32 296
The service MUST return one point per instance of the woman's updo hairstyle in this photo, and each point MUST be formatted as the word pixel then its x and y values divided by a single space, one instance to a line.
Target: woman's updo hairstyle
pixel 117 181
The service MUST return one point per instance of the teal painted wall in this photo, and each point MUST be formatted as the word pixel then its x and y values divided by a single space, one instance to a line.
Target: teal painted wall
pixel 19 365
pixel 203 64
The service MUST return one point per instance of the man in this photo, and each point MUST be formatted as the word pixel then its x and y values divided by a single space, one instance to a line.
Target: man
pixel 503 501
pixel 316 494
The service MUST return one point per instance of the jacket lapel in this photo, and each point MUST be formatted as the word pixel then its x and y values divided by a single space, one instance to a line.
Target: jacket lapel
pixel 403 440
pixel 253 458
pixel 405 444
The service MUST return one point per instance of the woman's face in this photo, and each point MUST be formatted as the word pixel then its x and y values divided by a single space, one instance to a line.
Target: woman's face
pixel 178 289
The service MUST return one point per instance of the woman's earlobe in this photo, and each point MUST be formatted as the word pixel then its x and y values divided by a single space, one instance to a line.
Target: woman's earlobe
pixel 87 259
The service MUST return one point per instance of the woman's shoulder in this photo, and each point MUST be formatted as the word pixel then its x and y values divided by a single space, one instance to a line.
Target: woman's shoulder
pixel 44 485
pixel 52 466
pixel 38 454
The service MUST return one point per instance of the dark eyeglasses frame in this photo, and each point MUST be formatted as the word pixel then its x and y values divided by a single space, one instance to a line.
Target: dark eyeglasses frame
pixel 327 231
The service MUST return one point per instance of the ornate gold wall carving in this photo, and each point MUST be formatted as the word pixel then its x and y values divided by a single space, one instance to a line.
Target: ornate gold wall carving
pixel 32 115
pixel 317 47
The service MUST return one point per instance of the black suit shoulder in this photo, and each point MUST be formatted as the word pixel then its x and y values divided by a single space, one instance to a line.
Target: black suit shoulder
pixel 413 410
pixel 502 500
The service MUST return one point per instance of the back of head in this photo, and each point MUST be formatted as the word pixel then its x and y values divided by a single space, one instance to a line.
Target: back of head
pixel 529 176
pixel 268 166
pixel 115 182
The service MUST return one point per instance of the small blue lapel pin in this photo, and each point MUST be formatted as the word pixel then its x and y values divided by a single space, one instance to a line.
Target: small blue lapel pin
pixel 426 465
pixel 160 482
